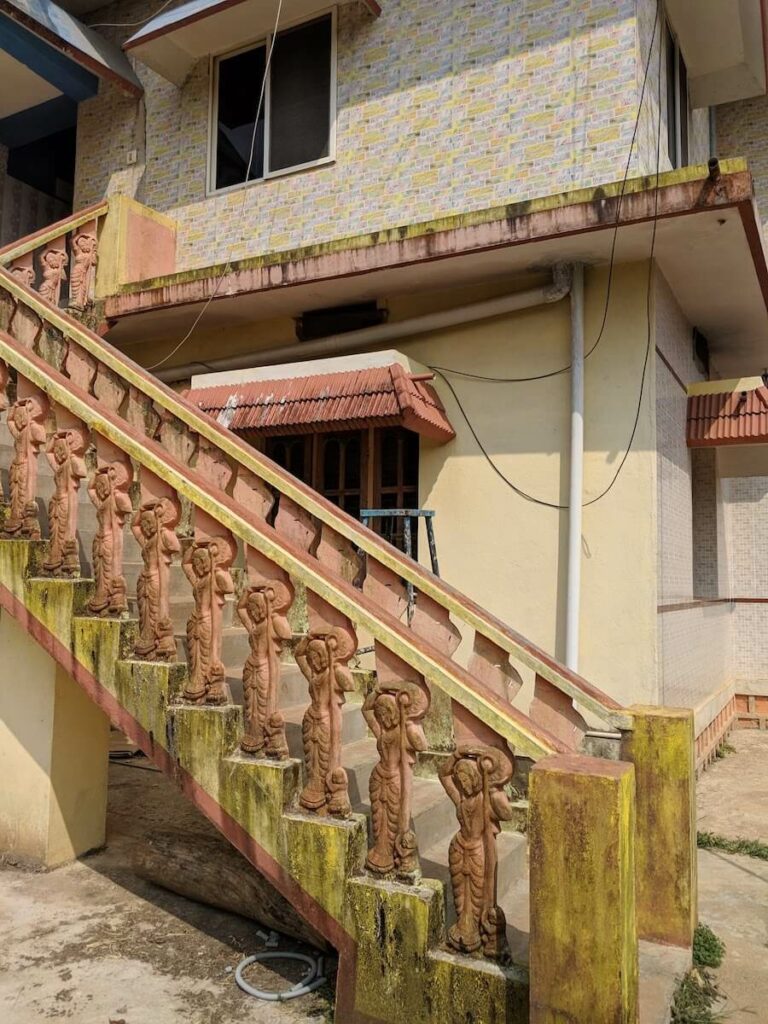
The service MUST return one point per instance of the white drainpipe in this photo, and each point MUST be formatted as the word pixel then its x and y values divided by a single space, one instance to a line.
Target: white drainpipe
pixel 381 334
pixel 576 484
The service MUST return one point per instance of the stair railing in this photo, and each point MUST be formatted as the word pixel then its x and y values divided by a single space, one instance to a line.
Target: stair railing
pixel 323 531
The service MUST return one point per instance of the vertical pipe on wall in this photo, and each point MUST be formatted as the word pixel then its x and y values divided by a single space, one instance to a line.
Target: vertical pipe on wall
pixel 576 484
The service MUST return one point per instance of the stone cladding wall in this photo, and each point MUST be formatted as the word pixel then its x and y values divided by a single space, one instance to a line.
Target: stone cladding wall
pixel 443 108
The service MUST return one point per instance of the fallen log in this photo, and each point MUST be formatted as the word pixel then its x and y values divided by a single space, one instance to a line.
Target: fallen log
pixel 205 868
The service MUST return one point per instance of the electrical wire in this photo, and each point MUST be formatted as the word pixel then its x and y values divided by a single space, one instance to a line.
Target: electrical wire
pixel 228 264
pixel 132 24
pixel 612 260
pixel 514 487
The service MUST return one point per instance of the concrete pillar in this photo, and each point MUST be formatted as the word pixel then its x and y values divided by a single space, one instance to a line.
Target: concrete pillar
pixel 54 754
pixel 3 176
pixel 662 749
pixel 583 945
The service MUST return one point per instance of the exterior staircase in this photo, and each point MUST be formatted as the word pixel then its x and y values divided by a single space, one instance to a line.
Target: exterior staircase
pixel 402 954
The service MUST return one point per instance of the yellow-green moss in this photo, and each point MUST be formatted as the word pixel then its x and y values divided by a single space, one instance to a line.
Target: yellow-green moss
pixel 583 938
pixel 323 853
pixel 662 748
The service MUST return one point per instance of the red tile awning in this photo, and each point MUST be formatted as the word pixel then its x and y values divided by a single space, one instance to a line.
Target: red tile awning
pixel 381 396
pixel 731 416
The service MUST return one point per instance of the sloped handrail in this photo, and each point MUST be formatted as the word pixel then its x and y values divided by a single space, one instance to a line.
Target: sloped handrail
pixel 527 737
pixel 448 598
pixel 31 243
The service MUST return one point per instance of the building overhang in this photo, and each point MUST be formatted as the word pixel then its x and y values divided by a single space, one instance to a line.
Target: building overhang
pixel 374 396
pixel 173 42
pixel 50 62
pixel 708 246
pixel 727 412
pixel 724 45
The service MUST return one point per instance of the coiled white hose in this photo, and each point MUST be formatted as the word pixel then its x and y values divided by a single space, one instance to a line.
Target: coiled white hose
pixel 312 980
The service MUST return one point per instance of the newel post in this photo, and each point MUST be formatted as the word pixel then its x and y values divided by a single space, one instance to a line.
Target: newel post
pixel 583 946
pixel 661 746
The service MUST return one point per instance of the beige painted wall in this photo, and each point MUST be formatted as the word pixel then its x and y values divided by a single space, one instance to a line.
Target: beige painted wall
pixel 54 746
pixel 509 553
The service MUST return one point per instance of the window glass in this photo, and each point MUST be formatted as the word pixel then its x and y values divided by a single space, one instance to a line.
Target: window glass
pixel 297 105
pixel 239 80
pixel 300 96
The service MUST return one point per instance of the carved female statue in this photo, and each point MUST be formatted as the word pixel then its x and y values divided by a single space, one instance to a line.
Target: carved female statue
pixel 53 262
pixel 474 777
pixel 108 491
pixel 152 526
pixel 25 424
pixel 85 249
pixel 321 658
pixel 64 452
pixel 206 566
pixel 260 610
pixel 394 714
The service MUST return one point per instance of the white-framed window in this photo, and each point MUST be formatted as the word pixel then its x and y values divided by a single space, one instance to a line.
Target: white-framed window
pixel 678 101
pixel 297 123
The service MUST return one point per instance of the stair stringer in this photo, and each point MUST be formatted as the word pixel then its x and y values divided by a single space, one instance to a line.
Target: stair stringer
pixel 387 935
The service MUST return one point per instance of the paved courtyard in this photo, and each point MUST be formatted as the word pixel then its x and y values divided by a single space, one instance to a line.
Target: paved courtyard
pixel 733 890
pixel 93 944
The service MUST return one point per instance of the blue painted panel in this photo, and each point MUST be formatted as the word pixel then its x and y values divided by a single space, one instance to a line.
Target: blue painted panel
pixel 37 122
pixel 56 68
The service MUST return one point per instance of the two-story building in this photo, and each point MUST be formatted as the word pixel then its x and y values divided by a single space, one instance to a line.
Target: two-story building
pixel 463 257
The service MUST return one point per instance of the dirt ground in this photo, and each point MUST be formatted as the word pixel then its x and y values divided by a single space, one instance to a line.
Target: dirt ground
pixel 93 944
pixel 733 890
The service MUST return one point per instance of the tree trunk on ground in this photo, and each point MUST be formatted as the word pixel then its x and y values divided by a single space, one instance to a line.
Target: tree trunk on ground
pixel 207 869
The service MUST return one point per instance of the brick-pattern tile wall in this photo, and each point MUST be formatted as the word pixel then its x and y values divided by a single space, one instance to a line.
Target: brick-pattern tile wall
pixel 747 510
pixel 443 108
pixel 742 130
pixel 694 644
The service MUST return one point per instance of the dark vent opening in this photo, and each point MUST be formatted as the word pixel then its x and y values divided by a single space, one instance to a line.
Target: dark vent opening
pixel 322 323
pixel 701 352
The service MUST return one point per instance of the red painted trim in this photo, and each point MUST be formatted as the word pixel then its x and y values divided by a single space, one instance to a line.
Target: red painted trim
pixel 506 227
pixel 96 210
pixel 671 368
pixel 173 26
pixel 286 885
pixel 224 5
pixel 84 59
pixel 753 229
pixel 684 606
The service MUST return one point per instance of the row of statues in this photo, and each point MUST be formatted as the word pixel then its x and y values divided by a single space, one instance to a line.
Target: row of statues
pixel 474 777
pixel 55 259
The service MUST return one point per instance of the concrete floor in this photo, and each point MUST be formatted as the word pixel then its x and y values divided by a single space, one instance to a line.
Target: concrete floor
pixel 733 890
pixel 93 944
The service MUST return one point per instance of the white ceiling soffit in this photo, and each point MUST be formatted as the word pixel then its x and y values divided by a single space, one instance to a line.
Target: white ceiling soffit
pixel 22 88
pixel 172 43
pixel 724 45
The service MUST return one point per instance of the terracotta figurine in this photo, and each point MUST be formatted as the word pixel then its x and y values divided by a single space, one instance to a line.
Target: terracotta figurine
pixel 394 714
pixel 108 491
pixel 206 566
pixel 152 526
pixel 322 659
pixel 85 255
pixel 65 454
pixel 25 422
pixel 54 263
pixel 261 610
pixel 474 777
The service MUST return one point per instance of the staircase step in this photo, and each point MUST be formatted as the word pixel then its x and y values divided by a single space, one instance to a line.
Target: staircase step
pixel 512 850
pixel 353 726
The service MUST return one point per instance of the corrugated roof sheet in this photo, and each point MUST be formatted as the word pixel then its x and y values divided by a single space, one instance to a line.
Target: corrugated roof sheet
pixel 728 417
pixel 351 400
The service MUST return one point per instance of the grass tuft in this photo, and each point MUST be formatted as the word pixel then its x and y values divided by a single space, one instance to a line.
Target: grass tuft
pixel 724 750
pixel 695 999
pixel 749 847
pixel 708 949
